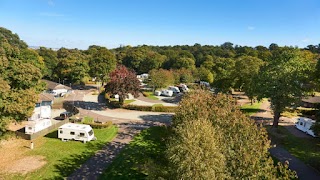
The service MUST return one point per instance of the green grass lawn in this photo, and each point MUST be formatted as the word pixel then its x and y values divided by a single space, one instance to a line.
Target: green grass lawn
pixel 305 149
pixel 251 109
pixel 151 95
pixel 131 163
pixel 64 157
pixel 128 101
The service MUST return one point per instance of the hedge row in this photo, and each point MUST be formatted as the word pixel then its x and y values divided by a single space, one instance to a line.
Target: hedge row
pixel 151 108
pixel 99 125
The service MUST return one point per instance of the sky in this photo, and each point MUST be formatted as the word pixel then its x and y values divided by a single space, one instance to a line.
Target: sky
pixel 114 23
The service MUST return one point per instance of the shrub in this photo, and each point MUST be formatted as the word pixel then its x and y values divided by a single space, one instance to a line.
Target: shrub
pixel 95 125
pixel 137 108
pixel 154 108
pixel 145 94
pixel 165 108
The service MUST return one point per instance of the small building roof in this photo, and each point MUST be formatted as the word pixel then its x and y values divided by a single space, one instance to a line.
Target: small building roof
pixel 45 97
pixel 53 85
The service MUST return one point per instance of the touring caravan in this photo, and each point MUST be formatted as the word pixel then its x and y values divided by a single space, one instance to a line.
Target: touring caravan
pixel 167 92
pixel 78 132
pixel 304 124
pixel 36 126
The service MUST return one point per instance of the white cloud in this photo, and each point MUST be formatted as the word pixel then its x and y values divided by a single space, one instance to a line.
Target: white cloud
pixel 51 14
pixel 251 28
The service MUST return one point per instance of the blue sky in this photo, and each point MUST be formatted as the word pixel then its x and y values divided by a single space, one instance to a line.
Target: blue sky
pixel 111 23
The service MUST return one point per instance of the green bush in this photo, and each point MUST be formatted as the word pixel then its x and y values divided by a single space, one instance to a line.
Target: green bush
pixel 154 108
pixel 95 125
pixel 165 108
pixel 145 94
pixel 137 108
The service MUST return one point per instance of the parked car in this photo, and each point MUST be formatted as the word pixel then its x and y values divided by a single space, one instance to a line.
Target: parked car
pixel 65 115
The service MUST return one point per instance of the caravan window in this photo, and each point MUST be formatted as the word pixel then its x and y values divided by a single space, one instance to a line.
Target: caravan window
pixel 81 134
pixel 301 123
pixel 71 133
pixel 90 133
pixel 61 131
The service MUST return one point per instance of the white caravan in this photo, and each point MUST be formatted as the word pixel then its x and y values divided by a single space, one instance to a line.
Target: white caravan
pixel 167 92
pixel 304 124
pixel 36 126
pixel 79 132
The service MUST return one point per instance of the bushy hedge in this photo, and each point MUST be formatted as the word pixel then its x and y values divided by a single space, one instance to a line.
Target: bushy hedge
pixel 154 108
pixel 145 94
pixel 95 125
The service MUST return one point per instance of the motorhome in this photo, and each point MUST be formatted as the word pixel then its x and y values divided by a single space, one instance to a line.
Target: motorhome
pixel 304 124
pixel 36 126
pixel 174 89
pixel 167 92
pixel 183 88
pixel 78 132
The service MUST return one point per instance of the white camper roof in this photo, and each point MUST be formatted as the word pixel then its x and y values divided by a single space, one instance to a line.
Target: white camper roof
pixel 306 119
pixel 74 126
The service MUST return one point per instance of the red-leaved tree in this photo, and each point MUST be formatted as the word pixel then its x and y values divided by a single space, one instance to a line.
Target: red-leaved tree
pixel 122 82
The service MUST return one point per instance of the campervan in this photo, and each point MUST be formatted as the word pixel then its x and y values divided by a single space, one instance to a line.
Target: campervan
pixel 167 92
pixel 37 125
pixel 78 132
pixel 183 88
pixel 174 89
pixel 304 124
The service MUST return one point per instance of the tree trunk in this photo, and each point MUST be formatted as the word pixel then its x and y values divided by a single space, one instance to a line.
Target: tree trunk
pixel 251 100
pixel 276 118
pixel 121 100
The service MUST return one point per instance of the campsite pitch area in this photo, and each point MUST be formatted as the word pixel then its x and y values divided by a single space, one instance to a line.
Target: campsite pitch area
pixel 51 158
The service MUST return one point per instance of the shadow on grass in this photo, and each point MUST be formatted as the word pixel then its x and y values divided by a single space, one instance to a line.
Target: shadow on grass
pixel 132 162
pixel 67 166
pixel 53 134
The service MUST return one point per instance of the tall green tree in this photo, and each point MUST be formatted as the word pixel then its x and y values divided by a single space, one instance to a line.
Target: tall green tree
pixel 246 67
pixel 73 66
pixel 20 76
pixel 102 62
pixel 160 78
pixel 50 60
pixel 122 82
pixel 194 153
pixel 284 80
pixel 224 69
pixel 242 144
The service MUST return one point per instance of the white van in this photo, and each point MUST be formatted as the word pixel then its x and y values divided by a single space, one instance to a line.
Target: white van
pixel 78 132
pixel 304 124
